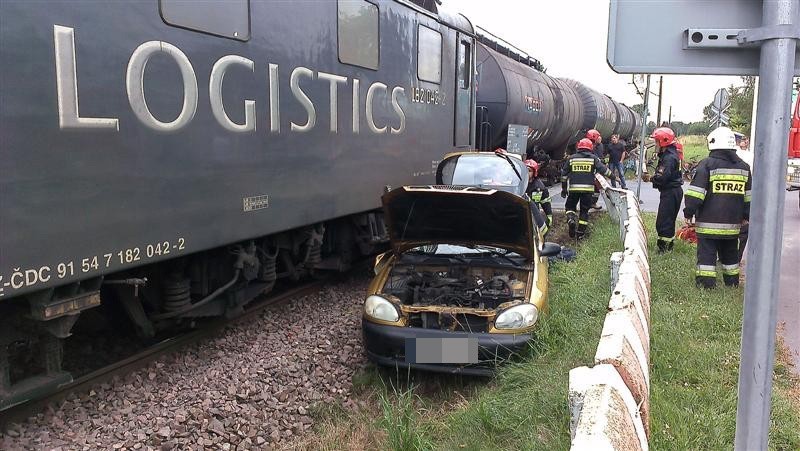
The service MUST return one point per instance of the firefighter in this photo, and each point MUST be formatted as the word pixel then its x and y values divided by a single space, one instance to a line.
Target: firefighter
pixel 719 201
pixel 667 180
pixel 577 185
pixel 599 150
pixel 538 192
pixel 597 143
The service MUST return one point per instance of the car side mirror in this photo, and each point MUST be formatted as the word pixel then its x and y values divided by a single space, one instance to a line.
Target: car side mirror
pixel 381 261
pixel 550 250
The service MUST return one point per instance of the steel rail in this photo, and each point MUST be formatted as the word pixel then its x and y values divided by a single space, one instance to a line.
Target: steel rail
pixel 86 382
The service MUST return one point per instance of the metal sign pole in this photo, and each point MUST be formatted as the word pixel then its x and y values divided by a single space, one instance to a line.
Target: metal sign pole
pixel 753 121
pixel 641 142
pixel 764 255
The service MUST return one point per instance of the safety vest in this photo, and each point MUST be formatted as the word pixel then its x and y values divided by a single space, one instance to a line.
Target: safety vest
pixel 719 195
pixel 579 169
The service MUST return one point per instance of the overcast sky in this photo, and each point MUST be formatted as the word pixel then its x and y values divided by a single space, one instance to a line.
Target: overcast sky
pixel 569 37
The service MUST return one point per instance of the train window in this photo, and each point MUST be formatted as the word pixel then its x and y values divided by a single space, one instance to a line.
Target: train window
pixel 429 54
pixel 359 42
pixel 227 18
pixel 464 64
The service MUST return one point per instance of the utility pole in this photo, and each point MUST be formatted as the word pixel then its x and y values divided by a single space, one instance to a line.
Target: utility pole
pixel 642 148
pixel 670 114
pixel 660 91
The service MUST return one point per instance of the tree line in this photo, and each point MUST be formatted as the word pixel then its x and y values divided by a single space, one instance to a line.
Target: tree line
pixel 739 112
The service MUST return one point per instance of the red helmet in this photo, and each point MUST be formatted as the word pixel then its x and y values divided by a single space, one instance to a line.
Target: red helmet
pixel 593 135
pixel 585 144
pixel 533 165
pixel 663 136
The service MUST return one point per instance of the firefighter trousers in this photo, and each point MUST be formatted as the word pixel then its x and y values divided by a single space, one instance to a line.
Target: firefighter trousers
pixel 586 203
pixel 708 250
pixel 668 207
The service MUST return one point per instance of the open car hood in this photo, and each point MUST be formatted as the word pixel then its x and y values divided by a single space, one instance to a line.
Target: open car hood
pixel 459 215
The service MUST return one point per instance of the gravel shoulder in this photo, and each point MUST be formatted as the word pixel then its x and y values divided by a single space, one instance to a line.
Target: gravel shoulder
pixel 251 387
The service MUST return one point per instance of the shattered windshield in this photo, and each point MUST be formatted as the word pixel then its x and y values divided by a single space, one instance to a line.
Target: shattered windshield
pixel 485 171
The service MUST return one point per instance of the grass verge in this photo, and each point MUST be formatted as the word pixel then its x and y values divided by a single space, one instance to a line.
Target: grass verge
pixel 695 362
pixel 693 373
pixel 695 147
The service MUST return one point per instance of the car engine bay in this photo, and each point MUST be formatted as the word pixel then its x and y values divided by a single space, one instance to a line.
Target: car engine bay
pixel 455 286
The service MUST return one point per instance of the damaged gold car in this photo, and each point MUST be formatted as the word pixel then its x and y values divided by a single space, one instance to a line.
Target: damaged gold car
pixel 466 280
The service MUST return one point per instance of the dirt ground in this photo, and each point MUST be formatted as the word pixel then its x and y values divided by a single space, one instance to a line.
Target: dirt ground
pixel 560 234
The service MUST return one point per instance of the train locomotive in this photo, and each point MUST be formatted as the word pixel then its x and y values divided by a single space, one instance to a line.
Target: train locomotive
pixel 165 161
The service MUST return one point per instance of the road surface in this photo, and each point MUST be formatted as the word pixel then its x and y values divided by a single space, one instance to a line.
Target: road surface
pixel 789 292
pixel 648 195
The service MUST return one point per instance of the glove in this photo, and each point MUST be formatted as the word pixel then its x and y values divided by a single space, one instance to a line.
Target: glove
pixel 564 193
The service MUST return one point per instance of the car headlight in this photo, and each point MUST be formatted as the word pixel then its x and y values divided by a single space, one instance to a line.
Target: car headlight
pixel 518 317
pixel 379 308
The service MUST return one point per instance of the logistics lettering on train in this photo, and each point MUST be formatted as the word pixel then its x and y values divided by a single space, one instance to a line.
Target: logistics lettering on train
pixel 70 118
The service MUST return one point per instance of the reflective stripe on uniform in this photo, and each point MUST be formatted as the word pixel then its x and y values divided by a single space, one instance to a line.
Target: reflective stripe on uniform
pixel 728 178
pixel 537 197
pixel 582 160
pixel 664 238
pixel 706 271
pixel 712 228
pixel 581 221
pixel 704 231
pixel 714 172
pixel 580 188
pixel 696 191
pixel 747 196
pixel 546 200
pixel 730 270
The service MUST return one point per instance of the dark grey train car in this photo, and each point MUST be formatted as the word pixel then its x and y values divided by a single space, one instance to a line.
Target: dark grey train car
pixel 512 90
pixel 261 133
pixel 599 111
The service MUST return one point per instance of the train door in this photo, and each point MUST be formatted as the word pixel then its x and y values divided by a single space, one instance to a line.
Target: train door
pixel 463 96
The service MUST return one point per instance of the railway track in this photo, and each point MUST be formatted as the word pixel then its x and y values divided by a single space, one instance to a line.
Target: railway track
pixel 84 383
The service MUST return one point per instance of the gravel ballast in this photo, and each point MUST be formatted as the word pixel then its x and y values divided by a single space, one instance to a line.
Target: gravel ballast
pixel 251 387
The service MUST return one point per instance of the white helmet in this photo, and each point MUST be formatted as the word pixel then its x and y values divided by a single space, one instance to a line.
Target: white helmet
pixel 722 138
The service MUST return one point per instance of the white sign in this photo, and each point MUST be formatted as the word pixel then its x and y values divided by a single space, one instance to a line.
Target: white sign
pixel 653 37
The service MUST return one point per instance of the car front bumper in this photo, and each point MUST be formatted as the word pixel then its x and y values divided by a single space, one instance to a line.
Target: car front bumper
pixel 386 345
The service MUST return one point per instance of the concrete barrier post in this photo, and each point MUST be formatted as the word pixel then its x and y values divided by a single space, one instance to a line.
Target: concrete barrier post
pixel 616 261
pixel 610 403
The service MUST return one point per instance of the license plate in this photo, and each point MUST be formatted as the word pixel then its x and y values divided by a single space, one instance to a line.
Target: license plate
pixel 441 350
